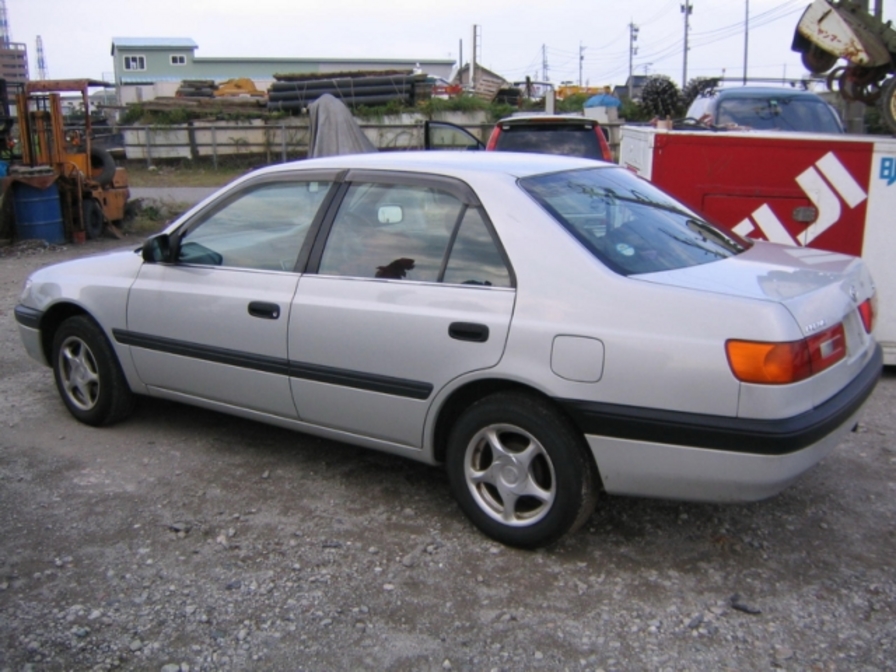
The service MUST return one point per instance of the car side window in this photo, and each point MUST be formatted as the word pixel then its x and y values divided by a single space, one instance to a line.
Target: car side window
pixel 475 258
pixel 263 229
pixel 389 231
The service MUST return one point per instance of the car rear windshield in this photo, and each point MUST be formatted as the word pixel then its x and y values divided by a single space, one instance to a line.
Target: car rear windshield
pixel 770 113
pixel 549 138
pixel 627 223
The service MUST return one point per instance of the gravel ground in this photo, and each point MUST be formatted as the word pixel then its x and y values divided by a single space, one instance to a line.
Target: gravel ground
pixel 186 540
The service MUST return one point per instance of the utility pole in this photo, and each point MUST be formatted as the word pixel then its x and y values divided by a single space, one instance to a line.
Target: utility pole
pixel 581 59
pixel 41 61
pixel 878 8
pixel 746 39
pixel 460 57
pixel 544 62
pixel 632 50
pixel 4 26
pixel 477 50
pixel 686 9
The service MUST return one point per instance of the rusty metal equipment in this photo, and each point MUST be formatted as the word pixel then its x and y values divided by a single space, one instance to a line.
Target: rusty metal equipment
pixel 93 191
pixel 833 29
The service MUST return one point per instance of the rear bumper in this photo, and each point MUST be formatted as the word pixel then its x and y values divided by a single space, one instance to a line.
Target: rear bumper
pixel 700 474
pixel 707 458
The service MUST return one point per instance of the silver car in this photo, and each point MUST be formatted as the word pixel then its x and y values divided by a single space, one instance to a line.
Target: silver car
pixel 545 327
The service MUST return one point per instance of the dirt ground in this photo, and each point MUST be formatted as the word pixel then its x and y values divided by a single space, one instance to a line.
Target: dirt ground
pixel 183 540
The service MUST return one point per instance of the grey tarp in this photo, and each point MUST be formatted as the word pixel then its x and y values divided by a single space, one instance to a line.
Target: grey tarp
pixel 334 129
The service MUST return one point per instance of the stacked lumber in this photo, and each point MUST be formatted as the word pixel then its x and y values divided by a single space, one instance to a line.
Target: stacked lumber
pixel 196 88
pixel 210 106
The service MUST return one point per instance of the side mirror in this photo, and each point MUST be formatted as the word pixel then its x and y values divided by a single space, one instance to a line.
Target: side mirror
pixel 157 249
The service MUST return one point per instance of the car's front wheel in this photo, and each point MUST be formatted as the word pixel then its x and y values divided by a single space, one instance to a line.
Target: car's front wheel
pixel 88 375
pixel 520 471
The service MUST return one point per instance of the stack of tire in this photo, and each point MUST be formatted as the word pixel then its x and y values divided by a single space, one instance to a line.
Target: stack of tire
pixel 196 88
pixel 371 90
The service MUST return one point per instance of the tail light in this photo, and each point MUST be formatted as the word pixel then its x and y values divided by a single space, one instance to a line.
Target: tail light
pixel 868 313
pixel 783 363
pixel 827 348
pixel 602 142
pixel 493 139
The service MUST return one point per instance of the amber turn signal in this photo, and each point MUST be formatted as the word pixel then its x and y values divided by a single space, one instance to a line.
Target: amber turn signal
pixel 783 363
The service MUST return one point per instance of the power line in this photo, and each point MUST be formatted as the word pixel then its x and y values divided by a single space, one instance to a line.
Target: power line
pixel 610 62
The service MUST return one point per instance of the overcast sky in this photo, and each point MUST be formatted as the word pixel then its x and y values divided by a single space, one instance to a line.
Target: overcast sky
pixel 516 36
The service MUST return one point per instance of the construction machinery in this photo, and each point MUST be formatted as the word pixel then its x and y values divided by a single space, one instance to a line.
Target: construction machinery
pixel 830 30
pixel 93 191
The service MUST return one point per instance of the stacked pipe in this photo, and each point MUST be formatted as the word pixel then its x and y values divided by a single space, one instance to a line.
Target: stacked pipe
pixel 296 95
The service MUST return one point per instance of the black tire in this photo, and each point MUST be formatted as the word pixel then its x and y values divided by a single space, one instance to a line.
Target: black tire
pixel 528 442
pixel 93 219
pixel 818 61
pixel 100 158
pixel 88 374
pixel 887 104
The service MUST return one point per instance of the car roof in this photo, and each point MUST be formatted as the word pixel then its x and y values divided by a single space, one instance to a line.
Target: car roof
pixel 752 91
pixel 450 163
pixel 546 118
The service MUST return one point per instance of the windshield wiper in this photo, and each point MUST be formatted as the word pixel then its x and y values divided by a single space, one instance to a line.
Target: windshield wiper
pixel 707 229
pixel 654 204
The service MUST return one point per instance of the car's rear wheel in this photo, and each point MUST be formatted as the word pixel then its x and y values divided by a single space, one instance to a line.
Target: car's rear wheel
pixel 88 375
pixel 520 471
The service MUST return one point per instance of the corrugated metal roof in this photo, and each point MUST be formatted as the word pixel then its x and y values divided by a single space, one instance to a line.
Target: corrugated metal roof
pixel 130 79
pixel 154 42
pixel 149 79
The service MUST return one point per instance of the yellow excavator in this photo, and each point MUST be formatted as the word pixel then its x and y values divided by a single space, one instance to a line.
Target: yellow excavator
pixel 830 30
pixel 93 191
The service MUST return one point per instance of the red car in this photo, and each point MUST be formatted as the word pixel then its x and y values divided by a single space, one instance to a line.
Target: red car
pixel 565 134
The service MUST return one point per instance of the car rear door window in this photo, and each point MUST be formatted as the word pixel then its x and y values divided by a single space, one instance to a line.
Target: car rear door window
pixel 391 231
pixel 264 228
pixel 475 258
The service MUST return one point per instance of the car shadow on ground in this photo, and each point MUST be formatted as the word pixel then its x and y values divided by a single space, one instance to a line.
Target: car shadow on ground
pixel 230 450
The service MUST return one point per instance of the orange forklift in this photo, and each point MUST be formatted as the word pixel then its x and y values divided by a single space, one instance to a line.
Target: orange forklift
pixel 93 191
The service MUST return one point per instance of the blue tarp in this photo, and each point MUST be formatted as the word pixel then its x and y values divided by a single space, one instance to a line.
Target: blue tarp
pixel 603 100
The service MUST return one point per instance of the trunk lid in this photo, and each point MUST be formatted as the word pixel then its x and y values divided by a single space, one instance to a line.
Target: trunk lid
pixel 819 288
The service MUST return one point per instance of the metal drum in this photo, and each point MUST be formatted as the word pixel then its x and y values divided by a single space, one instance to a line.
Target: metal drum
pixel 38 213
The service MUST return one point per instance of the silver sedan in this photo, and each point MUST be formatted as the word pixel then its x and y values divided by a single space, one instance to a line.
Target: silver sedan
pixel 545 327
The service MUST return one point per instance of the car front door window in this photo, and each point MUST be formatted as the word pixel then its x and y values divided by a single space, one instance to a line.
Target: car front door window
pixel 263 229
